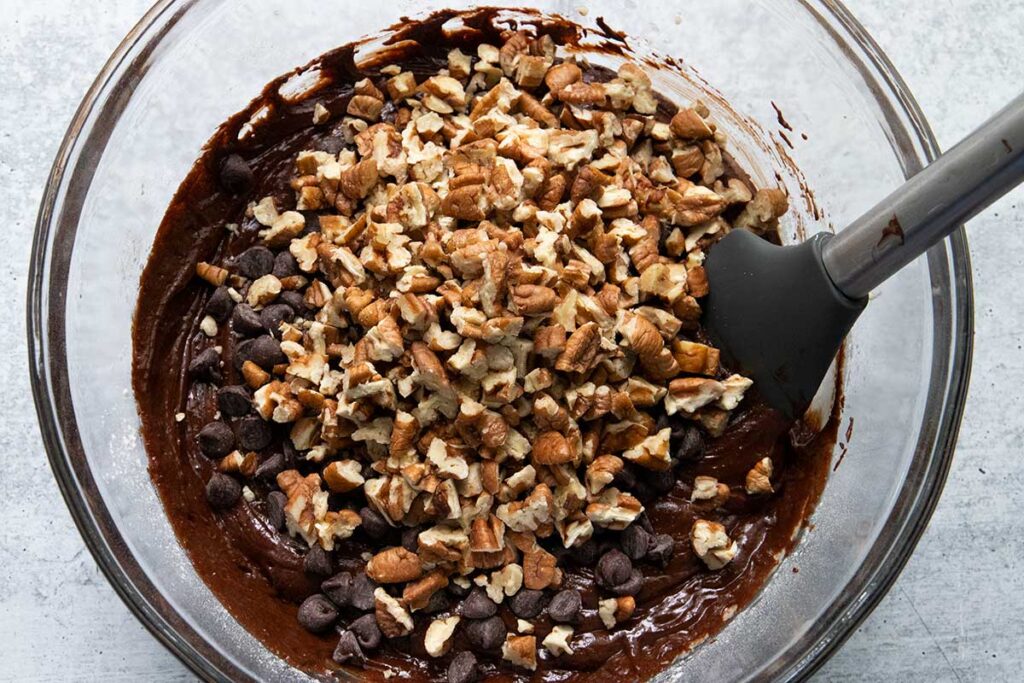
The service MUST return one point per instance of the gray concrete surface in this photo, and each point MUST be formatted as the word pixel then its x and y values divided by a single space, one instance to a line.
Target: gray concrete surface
pixel 955 613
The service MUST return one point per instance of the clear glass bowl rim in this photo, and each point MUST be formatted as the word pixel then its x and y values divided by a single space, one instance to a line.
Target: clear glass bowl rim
pixel 948 263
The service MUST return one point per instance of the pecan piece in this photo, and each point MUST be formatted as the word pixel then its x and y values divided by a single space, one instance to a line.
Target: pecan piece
pixel 687 124
pixel 534 299
pixel 562 75
pixel 580 349
pixel 468 203
pixel 417 595
pixel 551 448
pixel 712 544
pixel 540 570
pixel 521 651
pixel 357 181
pixel 394 565
pixel 759 478
pixel 392 618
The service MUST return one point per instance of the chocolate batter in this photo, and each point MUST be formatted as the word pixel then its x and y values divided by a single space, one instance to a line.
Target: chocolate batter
pixel 257 572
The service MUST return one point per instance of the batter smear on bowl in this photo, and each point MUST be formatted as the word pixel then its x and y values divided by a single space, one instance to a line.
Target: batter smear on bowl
pixel 421 373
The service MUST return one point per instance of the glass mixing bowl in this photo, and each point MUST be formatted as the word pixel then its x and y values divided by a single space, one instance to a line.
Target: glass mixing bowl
pixel 815 94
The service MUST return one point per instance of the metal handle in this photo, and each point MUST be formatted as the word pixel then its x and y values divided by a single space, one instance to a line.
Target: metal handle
pixel 955 187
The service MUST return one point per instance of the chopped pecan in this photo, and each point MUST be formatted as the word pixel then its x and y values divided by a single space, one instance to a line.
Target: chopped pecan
pixel 534 299
pixel 215 275
pixel 712 544
pixel 763 211
pixel 709 488
pixel 557 640
pixel 551 448
pixel 580 349
pixel 687 124
pixel 487 535
pixel 417 595
pixel 394 565
pixel 469 203
pixel 393 619
pixel 343 476
pixel 759 478
pixel 521 651
pixel 562 75
pixel 602 472
pixel 540 570
pixel 616 610
pixel 438 638
pixel 614 509
pixel 357 181
pixel 688 394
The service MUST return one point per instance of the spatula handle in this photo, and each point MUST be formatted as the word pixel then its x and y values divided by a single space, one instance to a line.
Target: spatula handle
pixel 956 186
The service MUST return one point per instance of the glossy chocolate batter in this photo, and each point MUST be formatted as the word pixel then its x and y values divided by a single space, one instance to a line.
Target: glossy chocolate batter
pixel 256 571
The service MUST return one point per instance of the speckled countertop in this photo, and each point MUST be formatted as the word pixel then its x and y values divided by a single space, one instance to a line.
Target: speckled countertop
pixel 954 615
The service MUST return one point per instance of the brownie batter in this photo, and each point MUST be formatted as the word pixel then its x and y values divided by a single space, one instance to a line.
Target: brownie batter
pixel 257 571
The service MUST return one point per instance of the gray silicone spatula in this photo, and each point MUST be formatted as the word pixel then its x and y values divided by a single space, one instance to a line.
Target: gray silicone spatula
pixel 780 314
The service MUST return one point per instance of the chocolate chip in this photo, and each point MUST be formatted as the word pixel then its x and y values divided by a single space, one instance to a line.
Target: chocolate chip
pixel 439 602
pixel 463 669
pixel 338 588
pixel 318 562
pixel 275 509
pixel 374 525
pixel 478 606
pixel 254 262
pixel 285 265
pixel 219 305
pixel 642 491
pixel 293 300
pixel 271 467
pixel 206 365
pixel 312 224
pixel 645 521
pixel 661 549
pixel 216 440
pixel 527 603
pixel 222 491
pixel 254 433
pixel 234 400
pixel 348 650
pixel 631 586
pixel 265 352
pixel 586 554
pixel 634 542
pixel 613 568
pixel 690 445
pixel 626 478
pixel 273 315
pixel 241 353
pixel 486 634
pixel 362 593
pixel 367 631
pixel 458 590
pixel 235 175
pixel 411 539
pixel 662 482
pixel 566 606
pixel 291 456
pixel 245 321
pixel 317 613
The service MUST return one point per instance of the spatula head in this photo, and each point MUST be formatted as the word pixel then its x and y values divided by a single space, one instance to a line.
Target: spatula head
pixel 776 316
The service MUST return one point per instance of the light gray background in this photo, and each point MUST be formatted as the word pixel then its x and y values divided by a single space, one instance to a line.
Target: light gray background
pixel 954 615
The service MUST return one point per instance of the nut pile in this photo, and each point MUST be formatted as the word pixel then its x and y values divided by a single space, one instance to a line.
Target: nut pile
pixel 476 329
